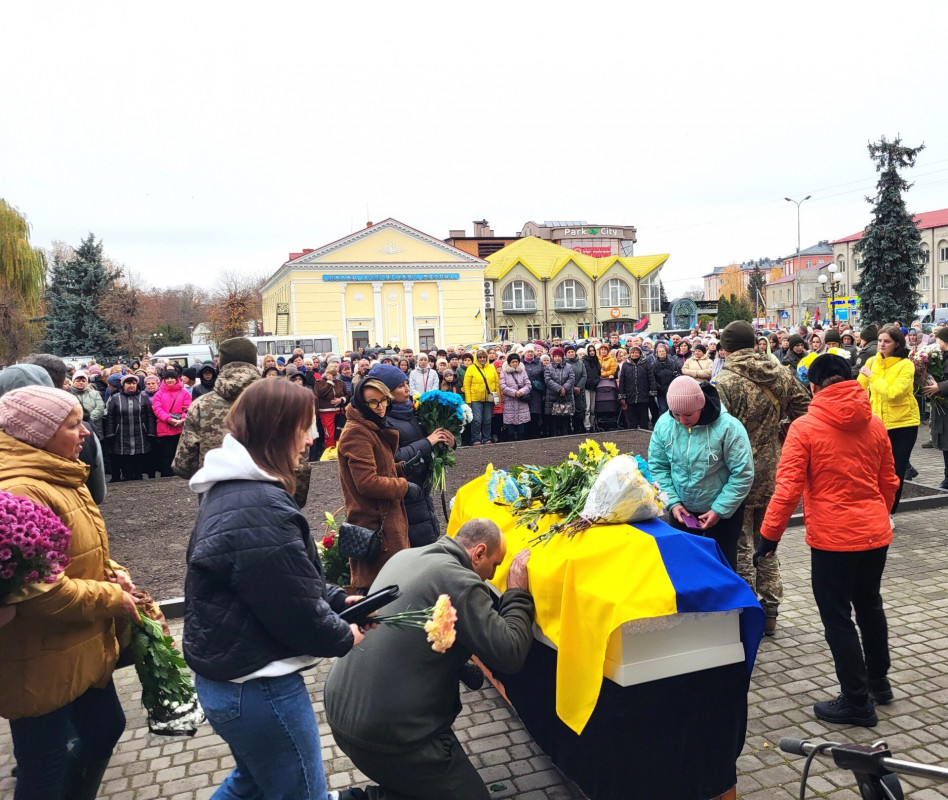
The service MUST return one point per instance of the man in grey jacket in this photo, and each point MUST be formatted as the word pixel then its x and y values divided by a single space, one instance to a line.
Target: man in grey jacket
pixel 392 701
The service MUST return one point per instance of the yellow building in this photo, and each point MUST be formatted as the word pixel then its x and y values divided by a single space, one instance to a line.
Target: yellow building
pixel 388 284
pixel 536 289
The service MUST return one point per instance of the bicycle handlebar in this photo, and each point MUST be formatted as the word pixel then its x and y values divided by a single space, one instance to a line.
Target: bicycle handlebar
pixel 872 760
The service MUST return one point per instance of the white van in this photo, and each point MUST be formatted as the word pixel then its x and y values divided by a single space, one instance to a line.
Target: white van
pixel 187 355
pixel 927 315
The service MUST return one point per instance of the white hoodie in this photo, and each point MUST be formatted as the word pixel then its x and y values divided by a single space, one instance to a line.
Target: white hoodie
pixel 232 462
pixel 229 462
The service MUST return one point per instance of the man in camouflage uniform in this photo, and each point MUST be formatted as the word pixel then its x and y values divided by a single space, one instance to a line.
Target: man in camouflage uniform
pixel 760 394
pixel 204 429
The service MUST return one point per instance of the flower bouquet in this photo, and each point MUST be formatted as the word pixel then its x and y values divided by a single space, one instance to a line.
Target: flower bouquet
pixel 567 491
pixel 167 690
pixel 33 546
pixel 335 564
pixel 929 362
pixel 437 621
pixel 446 410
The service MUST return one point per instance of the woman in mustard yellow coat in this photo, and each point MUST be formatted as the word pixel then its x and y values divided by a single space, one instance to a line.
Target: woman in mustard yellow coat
pixel 60 648
pixel 889 377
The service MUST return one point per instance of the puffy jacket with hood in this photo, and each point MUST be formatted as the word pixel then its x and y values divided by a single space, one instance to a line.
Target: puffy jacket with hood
pixel 666 370
pixel 170 400
pixel 704 468
pixel 62 641
pixel 479 381
pixel 839 458
pixel 891 390
pixel 761 394
pixel 415 449
pixel 93 406
pixel 558 376
pixel 608 366
pixel 203 386
pixel 537 384
pixel 516 409
pixel 698 367
pixel 255 596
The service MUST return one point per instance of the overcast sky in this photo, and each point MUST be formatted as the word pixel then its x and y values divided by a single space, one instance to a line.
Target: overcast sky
pixel 196 137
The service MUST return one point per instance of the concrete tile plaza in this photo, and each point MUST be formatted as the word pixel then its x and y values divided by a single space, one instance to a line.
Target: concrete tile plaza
pixel 793 671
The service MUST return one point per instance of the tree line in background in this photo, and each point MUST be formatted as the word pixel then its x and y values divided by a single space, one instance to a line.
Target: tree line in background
pixel 78 301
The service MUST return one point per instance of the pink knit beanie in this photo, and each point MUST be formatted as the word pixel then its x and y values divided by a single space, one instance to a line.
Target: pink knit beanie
pixel 685 396
pixel 33 414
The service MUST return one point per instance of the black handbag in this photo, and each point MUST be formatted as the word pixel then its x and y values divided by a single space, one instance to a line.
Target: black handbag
pixel 362 544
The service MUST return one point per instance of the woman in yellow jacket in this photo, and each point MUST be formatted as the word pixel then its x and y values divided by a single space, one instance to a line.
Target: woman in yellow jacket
pixel 608 366
pixel 60 647
pixel 889 377
pixel 481 391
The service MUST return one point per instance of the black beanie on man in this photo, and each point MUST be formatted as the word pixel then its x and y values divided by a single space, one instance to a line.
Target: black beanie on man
pixel 240 348
pixel 869 334
pixel 738 335
pixel 832 336
pixel 794 340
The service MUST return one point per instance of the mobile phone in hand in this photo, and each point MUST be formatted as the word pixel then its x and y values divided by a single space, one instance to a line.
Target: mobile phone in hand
pixel 690 519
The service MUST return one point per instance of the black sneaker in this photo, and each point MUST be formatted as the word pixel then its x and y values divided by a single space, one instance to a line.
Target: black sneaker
pixel 911 473
pixel 882 693
pixel 842 712
pixel 943 484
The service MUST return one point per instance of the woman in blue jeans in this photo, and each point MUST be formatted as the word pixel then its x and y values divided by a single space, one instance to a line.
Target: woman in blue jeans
pixel 258 611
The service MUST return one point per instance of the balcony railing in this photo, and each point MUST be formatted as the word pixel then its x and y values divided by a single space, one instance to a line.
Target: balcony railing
pixel 523 307
pixel 569 305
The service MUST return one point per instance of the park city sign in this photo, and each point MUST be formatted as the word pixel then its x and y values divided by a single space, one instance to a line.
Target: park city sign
pixel 592 232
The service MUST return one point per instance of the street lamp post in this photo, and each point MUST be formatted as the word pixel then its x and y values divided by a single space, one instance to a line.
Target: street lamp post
pixel 796 268
pixel 832 280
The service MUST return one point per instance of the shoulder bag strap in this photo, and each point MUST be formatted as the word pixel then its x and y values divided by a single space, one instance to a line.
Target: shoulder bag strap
pixel 486 385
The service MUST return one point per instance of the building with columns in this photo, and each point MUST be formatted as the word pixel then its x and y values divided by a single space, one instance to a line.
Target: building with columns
pixel 388 284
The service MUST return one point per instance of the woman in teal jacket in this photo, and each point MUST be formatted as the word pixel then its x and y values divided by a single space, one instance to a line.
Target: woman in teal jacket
pixel 702 459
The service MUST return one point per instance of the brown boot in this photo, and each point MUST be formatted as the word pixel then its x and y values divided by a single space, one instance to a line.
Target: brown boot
pixel 770 625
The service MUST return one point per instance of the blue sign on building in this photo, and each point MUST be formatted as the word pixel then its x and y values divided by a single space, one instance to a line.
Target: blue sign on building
pixel 784 315
pixel 394 276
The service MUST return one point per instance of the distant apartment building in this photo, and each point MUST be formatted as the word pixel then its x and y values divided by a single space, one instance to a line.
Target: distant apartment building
pixel 714 280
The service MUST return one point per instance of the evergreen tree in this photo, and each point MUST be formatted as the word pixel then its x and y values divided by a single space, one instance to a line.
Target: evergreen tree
pixel 755 286
pixel 74 324
pixel 742 309
pixel 725 312
pixel 662 297
pixel 22 279
pixel 891 246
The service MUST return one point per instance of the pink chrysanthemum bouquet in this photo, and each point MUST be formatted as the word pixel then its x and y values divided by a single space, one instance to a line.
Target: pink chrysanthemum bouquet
pixel 33 544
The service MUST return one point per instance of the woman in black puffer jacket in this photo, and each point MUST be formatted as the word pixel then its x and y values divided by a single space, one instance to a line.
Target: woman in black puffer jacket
pixel 414 448
pixel 257 608
pixel 666 367
pixel 593 373
pixel 535 373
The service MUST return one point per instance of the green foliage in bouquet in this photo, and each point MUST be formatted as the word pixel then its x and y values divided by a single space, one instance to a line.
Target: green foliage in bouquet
pixel 335 564
pixel 166 684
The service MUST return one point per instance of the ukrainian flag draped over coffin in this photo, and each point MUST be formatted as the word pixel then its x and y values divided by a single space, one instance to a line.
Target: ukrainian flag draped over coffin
pixel 587 586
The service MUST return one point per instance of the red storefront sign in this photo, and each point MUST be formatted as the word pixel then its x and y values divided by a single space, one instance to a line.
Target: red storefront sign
pixel 595 252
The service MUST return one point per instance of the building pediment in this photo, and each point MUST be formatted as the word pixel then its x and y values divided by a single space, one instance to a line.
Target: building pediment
pixel 388 242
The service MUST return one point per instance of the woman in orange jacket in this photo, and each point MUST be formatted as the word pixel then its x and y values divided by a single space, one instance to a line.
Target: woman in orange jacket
pixel 608 366
pixel 838 457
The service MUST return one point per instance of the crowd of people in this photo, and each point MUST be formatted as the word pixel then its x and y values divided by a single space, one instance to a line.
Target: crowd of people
pixel 743 425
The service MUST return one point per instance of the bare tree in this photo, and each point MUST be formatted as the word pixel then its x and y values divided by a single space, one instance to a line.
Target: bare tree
pixel 694 293
pixel 235 304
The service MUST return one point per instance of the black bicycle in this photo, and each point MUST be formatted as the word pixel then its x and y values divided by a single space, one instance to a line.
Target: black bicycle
pixel 876 772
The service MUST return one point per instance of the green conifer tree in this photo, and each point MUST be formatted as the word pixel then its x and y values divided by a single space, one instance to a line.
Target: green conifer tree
pixel 891 247
pixel 725 312
pixel 74 324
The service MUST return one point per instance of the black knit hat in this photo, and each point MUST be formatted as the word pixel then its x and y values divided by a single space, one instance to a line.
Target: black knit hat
pixel 794 340
pixel 239 348
pixel 869 334
pixel 513 357
pixel 832 336
pixel 738 335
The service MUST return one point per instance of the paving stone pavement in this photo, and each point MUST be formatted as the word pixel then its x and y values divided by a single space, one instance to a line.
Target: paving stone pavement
pixel 793 671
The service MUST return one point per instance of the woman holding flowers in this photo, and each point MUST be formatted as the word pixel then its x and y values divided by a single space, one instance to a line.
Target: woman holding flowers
pixel 372 489
pixel 258 611
pixel 481 390
pixel 516 389
pixel 60 648
pixel 414 447
pixel 889 378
